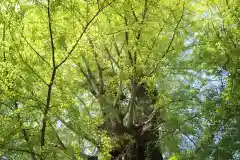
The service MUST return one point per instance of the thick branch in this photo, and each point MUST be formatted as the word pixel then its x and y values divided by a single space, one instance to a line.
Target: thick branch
pixel 144 13
pixel 127 41
pixel 100 74
pixel 92 89
pixel 130 120
pixel 110 56
pixel 133 60
pixel 151 116
pixel 47 107
pixel 90 75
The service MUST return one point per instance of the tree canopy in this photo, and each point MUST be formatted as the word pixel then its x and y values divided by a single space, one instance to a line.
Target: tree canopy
pixel 120 79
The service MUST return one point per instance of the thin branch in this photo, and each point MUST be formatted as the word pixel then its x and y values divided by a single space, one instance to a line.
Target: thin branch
pixel 35 51
pixel 115 32
pixel 3 40
pixel 117 11
pixel 77 132
pixel 153 44
pixel 224 29
pixel 81 101
pixel 84 73
pixel 25 134
pixel 237 17
pixel 81 35
pixel 63 147
pixel 217 34
pixel 185 134
pixel 26 150
pixel 171 41
pixel 32 70
pixel 134 14
pixel 110 56
pixel 41 4
pixel 175 29
pixel 58 138
pixel 173 130
pixel 51 35
pixel 117 49
pixel 152 115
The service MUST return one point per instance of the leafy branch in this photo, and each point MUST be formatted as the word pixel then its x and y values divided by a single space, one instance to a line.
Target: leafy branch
pixel 35 51
pixel 81 35
pixel 171 41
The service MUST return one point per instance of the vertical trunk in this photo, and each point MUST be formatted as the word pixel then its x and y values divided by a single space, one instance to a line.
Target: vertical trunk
pixel 155 150
pixel 139 148
pixel 156 154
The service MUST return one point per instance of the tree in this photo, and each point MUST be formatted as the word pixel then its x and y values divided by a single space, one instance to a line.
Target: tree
pixel 113 79
pixel 220 45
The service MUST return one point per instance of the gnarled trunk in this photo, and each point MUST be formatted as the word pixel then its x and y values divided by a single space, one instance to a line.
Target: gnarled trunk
pixel 144 148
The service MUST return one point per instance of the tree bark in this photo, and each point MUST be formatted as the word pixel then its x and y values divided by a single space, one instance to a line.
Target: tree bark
pixel 139 148
pixel 144 148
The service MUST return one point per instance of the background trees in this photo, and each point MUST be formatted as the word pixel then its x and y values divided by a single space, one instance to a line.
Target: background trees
pixel 119 79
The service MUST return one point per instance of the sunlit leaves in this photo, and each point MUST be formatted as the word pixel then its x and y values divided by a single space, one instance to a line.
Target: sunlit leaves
pixel 186 53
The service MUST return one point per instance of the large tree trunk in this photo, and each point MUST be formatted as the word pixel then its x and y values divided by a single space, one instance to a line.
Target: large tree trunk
pixel 139 122
pixel 139 148
pixel 144 148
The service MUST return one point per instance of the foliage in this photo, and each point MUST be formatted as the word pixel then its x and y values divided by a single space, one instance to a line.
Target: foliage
pixel 85 79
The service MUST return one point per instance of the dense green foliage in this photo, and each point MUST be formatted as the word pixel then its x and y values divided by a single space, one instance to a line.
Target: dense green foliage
pixel 107 78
